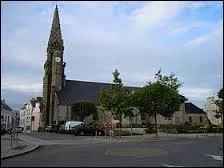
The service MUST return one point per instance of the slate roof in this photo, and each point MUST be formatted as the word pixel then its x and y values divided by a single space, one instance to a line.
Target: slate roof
pixel 33 102
pixel 5 106
pixel 36 100
pixel 191 108
pixel 84 90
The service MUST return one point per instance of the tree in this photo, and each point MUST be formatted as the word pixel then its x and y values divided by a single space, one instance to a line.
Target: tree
pixel 219 103
pixel 159 97
pixel 115 99
pixel 84 108
pixel 220 94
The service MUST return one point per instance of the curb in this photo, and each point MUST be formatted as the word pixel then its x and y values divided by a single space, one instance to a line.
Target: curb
pixel 24 152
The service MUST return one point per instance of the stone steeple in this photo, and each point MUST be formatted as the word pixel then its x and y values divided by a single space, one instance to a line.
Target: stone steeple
pixel 54 79
pixel 55 35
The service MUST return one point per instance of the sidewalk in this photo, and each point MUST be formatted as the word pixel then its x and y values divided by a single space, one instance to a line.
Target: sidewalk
pixel 17 149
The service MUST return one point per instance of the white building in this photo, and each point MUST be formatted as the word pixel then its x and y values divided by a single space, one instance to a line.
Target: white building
pixel 211 108
pixel 6 115
pixel 22 116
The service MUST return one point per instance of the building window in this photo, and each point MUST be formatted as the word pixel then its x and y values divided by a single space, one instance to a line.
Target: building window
pixel 32 118
pixel 190 119
pixel 8 119
pixel 2 118
pixel 201 120
pixel 5 118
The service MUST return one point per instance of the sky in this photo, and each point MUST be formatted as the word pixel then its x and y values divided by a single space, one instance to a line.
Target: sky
pixel 136 37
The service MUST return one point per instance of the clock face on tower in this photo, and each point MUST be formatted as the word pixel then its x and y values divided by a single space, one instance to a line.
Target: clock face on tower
pixel 57 59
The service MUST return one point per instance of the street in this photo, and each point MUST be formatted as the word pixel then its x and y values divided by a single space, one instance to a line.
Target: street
pixel 197 152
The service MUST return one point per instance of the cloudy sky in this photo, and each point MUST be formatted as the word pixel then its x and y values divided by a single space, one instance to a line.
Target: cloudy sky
pixel 136 37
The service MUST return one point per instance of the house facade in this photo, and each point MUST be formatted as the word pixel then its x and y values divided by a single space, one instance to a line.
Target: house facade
pixel 36 117
pixel 188 113
pixel 30 115
pixel 6 115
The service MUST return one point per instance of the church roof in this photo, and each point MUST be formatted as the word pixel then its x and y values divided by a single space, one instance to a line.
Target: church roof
pixel 82 90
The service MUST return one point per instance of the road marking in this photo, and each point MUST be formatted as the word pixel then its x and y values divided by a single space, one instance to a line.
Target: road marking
pixel 166 165
pixel 215 157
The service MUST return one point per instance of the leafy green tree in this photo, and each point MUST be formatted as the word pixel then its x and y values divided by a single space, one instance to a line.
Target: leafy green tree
pixel 129 113
pixel 159 97
pixel 219 103
pixel 115 99
pixel 84 108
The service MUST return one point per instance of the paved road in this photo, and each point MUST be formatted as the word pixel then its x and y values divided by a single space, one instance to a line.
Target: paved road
pixel 179 152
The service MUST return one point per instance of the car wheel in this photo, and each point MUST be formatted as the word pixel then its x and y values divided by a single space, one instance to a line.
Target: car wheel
pixel 81 133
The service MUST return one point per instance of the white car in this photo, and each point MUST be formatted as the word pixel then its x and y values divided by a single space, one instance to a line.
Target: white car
pixel 70 124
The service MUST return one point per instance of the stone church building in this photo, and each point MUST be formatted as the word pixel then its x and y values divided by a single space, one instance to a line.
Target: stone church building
pixel 59 94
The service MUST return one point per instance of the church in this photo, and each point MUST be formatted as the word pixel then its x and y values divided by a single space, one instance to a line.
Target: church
pixel 59 93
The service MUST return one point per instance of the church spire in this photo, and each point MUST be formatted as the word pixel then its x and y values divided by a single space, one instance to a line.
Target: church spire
pixel 55 36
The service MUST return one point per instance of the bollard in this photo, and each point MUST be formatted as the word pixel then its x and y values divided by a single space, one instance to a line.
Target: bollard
pixel 17 138
pixel 11 141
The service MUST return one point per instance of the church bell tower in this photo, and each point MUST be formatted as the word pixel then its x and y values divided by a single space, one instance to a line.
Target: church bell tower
pixel 54 77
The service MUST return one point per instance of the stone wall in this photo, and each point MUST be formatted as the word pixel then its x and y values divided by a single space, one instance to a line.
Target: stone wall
pixel 196 118
pixel 63 113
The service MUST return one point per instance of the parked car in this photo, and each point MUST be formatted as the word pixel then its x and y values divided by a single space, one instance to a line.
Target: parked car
pixel 62 129
pixel 70 124
pixel 49 128
pixel 84 129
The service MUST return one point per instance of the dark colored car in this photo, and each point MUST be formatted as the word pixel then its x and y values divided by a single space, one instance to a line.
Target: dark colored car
pixel 84 129
pixel 52 128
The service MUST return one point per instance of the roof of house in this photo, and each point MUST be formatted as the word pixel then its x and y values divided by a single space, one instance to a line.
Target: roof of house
pixel 33 102
pixel 36 100
pixel 191 108
pixel 84 90
pixel 5 106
